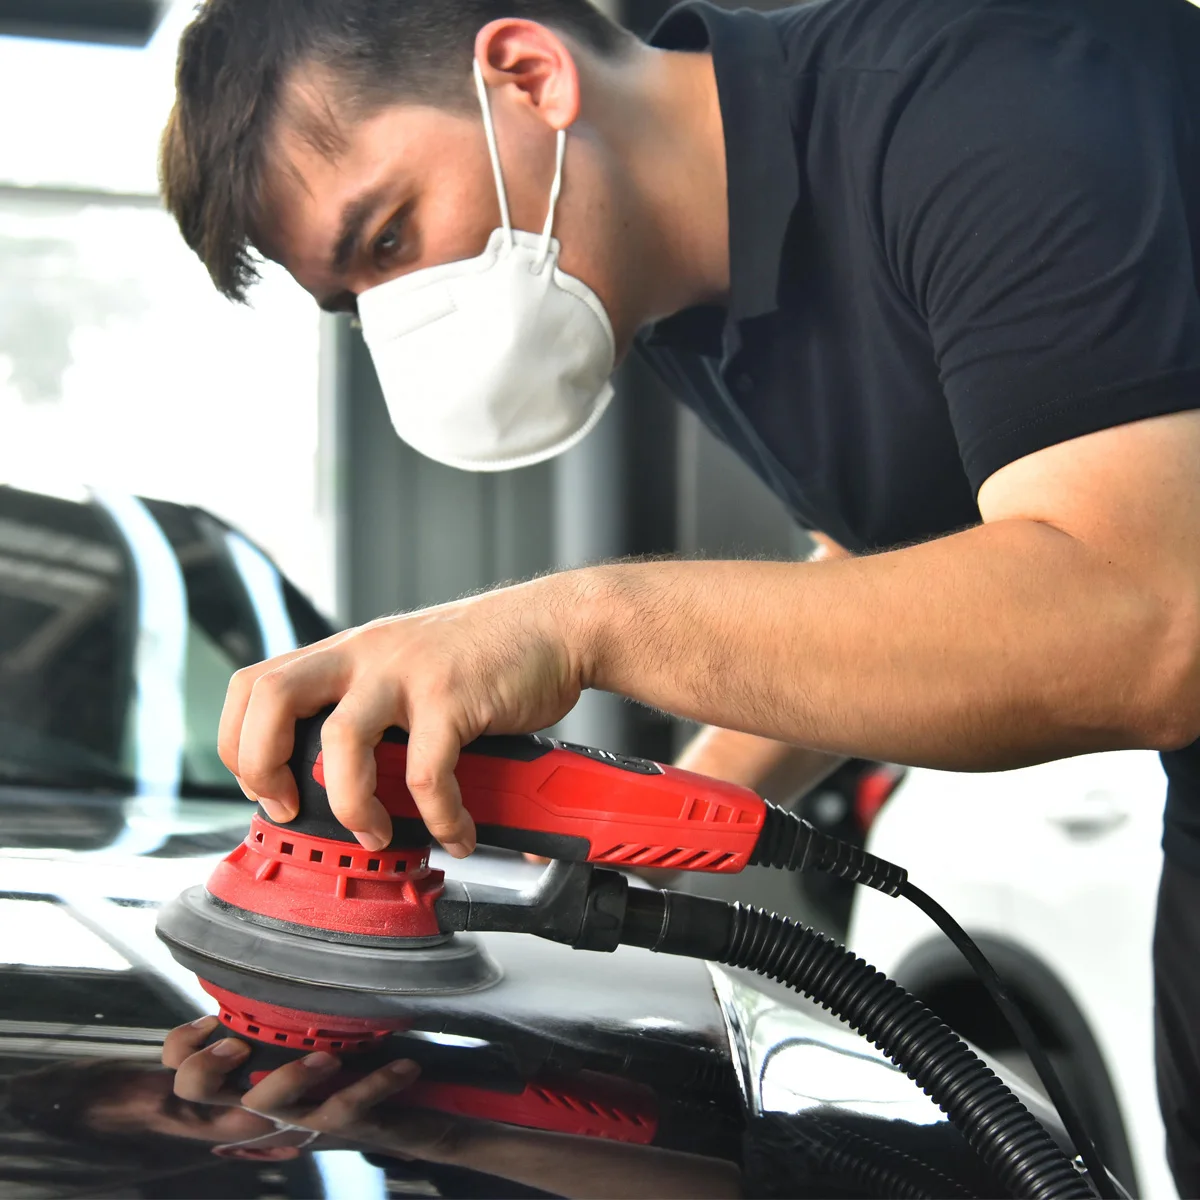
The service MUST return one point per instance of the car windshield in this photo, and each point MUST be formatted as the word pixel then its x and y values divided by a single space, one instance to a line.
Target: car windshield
pixel 75 640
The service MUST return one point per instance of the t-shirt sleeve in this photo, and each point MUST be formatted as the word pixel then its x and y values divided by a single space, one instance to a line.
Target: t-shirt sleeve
pixel 1032 207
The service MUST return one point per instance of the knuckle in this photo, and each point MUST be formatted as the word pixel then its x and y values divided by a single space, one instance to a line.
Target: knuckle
pixel 253 770
pixel 242 680
pixel 172 1055
pixel 276 1091
pixel 189 1085
pixel 438 685
pixel 271 684
pixel 425 780
pixel 339 732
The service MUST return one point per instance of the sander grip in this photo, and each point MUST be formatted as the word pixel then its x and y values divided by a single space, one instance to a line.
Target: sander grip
pixel 540 795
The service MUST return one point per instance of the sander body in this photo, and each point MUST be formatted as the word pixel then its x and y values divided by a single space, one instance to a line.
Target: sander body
pixel 303 910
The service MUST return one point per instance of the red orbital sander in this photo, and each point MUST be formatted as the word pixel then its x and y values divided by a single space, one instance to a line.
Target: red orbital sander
pixel 301 909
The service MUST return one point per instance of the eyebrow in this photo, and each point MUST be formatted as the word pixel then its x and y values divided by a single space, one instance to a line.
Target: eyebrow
pixel 354 218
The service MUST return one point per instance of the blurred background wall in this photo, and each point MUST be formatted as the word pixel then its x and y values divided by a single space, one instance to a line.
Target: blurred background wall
pixel 120 366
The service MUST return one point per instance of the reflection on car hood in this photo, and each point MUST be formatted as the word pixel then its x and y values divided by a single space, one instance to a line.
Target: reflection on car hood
pixel 652 1053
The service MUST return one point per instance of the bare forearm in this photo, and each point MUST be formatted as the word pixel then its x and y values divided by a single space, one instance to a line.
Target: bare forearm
pixel 1006 644
pixel 778 770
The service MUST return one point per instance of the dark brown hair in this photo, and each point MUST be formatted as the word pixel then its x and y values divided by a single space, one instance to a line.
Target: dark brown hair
pixel 237 55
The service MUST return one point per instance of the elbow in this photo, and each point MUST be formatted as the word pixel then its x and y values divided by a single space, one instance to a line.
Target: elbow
pixel 1166 711
pixel 1169 730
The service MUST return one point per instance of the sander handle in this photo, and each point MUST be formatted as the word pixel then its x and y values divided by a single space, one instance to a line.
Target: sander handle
pixel 474 1085
pixel 539 795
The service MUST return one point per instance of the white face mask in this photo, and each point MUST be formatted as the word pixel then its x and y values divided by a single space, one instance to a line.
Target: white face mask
pixel 493 362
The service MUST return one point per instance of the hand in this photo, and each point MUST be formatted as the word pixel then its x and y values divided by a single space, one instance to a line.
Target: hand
pixel 583 1168
pixel 349 1114
pixel 509 661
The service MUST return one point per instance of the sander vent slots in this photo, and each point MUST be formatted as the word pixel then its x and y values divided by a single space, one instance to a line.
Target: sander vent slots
pixel 336 886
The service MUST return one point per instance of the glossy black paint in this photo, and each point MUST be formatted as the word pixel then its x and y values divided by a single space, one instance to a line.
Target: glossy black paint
pixel 87 994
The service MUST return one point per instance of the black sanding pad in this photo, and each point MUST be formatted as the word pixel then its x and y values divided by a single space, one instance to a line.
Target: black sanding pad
pixel 202 932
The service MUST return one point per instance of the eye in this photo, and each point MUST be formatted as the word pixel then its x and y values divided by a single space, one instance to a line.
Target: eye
pixel 388 244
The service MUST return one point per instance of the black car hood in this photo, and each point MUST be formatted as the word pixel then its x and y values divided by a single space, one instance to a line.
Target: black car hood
pixel 722 1068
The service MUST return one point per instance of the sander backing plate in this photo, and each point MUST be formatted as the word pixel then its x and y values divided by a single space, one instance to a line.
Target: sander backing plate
pixel 199 930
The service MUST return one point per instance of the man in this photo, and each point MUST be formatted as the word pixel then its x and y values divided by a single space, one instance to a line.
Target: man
pixel 929 266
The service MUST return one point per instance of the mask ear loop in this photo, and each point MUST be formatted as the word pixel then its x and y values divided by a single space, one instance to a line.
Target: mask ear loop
pixel 555 188
pixel 490 131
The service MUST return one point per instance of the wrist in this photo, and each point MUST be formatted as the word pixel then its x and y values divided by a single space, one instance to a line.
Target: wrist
pixel 586 608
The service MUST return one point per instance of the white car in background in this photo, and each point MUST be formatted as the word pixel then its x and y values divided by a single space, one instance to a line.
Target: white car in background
pixel 1054 871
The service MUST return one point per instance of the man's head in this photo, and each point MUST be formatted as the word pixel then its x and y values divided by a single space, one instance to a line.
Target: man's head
pixel 343 137
pixel 128 1110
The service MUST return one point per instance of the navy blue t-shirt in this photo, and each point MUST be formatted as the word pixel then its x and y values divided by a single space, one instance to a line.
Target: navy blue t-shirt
pixel 960 231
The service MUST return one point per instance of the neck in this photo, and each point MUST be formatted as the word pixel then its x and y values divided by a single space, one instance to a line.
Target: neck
pixel 662 118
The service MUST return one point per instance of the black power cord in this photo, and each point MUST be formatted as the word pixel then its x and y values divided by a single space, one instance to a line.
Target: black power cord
pixel 789 842
pixel 1022 1156
pixel 1019 1024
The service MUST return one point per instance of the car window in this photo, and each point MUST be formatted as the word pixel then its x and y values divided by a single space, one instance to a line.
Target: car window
pixel 224 634
pixel 69 634
pixel 68 623
pixel 208 669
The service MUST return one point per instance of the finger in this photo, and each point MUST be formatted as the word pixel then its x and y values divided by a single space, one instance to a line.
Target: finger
pixel 185 1040
pixel 281 1094
pixel 237 696
pixel 348 738
pixel 297 688
pixel 286 1086
pixel 203 1076
pixel 345 1109
pixel 433 748
pixel 247 792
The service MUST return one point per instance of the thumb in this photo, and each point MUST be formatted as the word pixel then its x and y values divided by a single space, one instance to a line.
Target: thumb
pixel 433 746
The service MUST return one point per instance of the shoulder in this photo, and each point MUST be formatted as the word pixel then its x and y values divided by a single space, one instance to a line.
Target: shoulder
pixel 906 36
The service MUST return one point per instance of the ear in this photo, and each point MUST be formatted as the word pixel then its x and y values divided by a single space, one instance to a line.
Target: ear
pixel 534 61
pixel 258 1153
